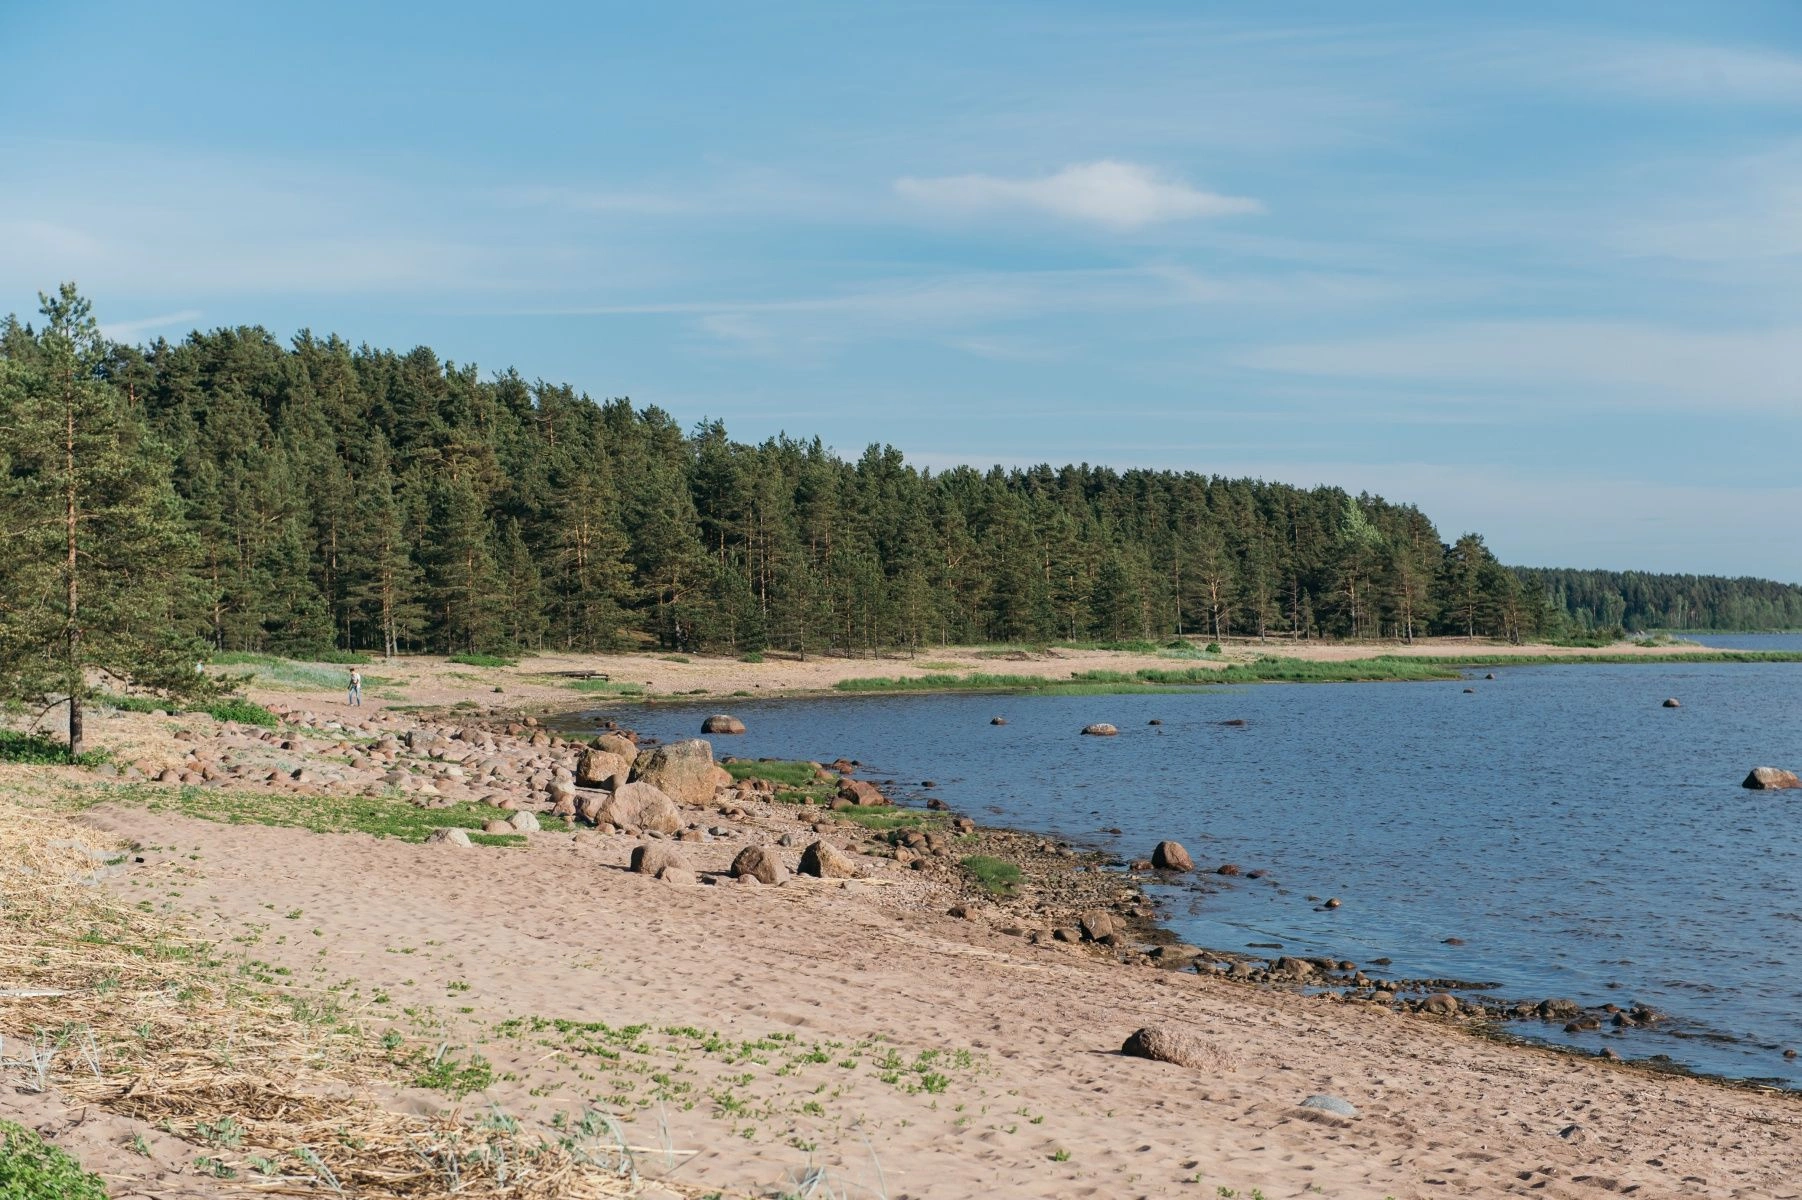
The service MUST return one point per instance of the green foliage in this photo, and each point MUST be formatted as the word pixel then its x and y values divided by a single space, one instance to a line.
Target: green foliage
pixel 752 657
pixel 32 1169
pixel 788 774
pixel 277 671
pixel 483 660
pixel 378 816
pixel 446 1073
pixel 228 708
pixel 37 749
pixel 241 710
pixel 997 876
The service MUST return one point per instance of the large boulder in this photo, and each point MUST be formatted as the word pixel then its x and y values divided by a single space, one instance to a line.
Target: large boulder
pixel 1101 729
pixel 761 863
pixel 859 792
pixel 721 723
pixel 448 837
pixel 1165 1043
pixel 823 860
pixel 614 743
pixel 1766 778
pixel 598 767
pixel 653 858
pixel 683 771
pixel 1170 856
pixel 639 806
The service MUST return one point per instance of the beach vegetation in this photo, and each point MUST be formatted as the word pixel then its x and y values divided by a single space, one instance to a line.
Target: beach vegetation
pixel 997 876
pixel 785 772
pixel 483 660
pixel 33 1169
pixel 381 816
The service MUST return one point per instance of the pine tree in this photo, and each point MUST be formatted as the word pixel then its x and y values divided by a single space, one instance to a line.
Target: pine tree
pixel 95 579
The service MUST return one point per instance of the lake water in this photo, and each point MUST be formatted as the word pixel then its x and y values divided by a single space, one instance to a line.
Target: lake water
pixel 1791 642
pixel 1581 840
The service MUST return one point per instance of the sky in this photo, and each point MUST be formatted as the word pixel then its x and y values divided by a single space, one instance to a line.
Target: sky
pixel 1535 267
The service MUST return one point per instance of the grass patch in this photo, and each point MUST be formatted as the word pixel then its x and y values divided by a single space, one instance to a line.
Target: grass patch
pixel 230 708
pixel 606 687
pixel 41 750
pixel 287 672
pixel 753 657
pixel 377 816
pixel 790 774
pixel 997 876
pixel 33 1169
pixel 882 818
pixel 483 660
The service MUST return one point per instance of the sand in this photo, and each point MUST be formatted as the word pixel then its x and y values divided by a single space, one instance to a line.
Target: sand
pixel 860 1030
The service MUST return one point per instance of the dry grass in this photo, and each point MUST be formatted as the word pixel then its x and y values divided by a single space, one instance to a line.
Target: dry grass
pixel 122 1008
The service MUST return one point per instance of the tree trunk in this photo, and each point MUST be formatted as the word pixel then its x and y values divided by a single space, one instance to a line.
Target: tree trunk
pixel 74 673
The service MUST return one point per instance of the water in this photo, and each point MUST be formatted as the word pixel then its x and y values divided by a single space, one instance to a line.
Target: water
pixel 1791 642
pixel 1579 838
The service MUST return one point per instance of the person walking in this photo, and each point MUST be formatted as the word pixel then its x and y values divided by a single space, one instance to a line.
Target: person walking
pixel 356 688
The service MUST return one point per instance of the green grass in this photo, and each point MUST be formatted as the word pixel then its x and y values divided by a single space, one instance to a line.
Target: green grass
pixel 483 660
pixel 1478 659
pixel 607 687
pixel 997 876
pixel 32 1169
pixel 881 818
pixel 790 774
pixel 753 657
pixel 312 676
pixel 230 708
pixel 40 750
pixel 378 816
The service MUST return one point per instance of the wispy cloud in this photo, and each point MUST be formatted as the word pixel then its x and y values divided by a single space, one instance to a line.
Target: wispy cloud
pixel 1599 361
pixel 1118 195
pixel 1681 70
pixel 127 331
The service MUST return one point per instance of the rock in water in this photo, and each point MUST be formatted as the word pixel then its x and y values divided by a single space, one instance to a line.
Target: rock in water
pixel 1164 1043
pixel 1101 729
pixel 1672 703
pixel 1332 1104
pixel 858 792
pixel 1170 856
pixel 1767 778
pixel 823 860
pixel 721 723
pixel 997 720
pixel 655 857
pixel 683 771
pixel 761 863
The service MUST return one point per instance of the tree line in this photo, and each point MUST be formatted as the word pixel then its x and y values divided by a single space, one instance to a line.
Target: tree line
pixel 233 492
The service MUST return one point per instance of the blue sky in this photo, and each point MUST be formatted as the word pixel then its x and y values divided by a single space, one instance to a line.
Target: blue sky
pixel 1536 267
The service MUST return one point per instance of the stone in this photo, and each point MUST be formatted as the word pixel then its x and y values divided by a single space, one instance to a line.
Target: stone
pixel 997 720
pixel 640 805
pixel 498 826
pixel 1098 926
pixel 860 793
pixel 1769 778
pixel 1178 954
pixel 1165 1043
pixel 823 860
pixel 761 863
pixel 1100 729
pixel 561 792
pixel 1672 703
pixel 683 771
pixel 448 837
pixel 721 723
pixel 1440 1003
pixel 596 768
pixel 1227 869
pixel 1170 856
pixel 1557 1009
pixel 1331 1104
pixel 615 743
pixel 679 876
pixel 524 822
pixel 653 857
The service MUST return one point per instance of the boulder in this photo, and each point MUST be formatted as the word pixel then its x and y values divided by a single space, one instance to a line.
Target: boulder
pixel 1101 729
pixel 761 863
pixel 448 837
pixel 498 826
pixel 721 723
pixel 597 767
pixel 679 876
pixel 1441 1003
pixel 653 858
pixel 683 771
pixel 523 822
pixel 1165 1043
pixel 1099 926
pixel 641 806
pixel 614 743
pixel 997 720
pixel 1557 1009
pixel 859 792
pixel 1767 778
pixel 1672 703
pixel 823 860
pixel 1170 856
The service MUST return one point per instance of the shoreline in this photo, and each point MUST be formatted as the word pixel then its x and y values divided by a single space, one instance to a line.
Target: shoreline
pixel 480 944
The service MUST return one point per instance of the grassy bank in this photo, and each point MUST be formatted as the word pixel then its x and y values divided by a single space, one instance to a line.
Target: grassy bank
pixel 1379 669
pixel 374 815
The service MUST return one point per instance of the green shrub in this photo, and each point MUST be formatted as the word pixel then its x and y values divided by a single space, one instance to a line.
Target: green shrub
pixel 997 876
pixel 348 658
pixel 40 750
pixel 483 660
pixel 32 1169
pixel 1213 648
pixel 752 657
pixel 246 712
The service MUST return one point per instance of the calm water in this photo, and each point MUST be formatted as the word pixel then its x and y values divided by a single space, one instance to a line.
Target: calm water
pixel 1746 641
pixel 1582 840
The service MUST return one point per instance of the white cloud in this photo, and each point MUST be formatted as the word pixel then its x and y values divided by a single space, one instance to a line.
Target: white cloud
pixel 129 331
pixel 1684 70
pixel 1603 361
pixel 1119 195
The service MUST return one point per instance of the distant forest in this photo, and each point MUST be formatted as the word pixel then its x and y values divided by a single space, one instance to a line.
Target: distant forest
pixel 340 496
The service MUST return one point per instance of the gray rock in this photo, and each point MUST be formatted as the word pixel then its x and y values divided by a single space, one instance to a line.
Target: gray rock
pixel 524 822
pixel 448 837
pixel 721 723
pixel 1331 1104
pixel 1100 729
pixel 761 863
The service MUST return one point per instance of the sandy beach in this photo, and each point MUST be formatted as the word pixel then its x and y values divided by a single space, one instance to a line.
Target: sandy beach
pixel 891 1034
